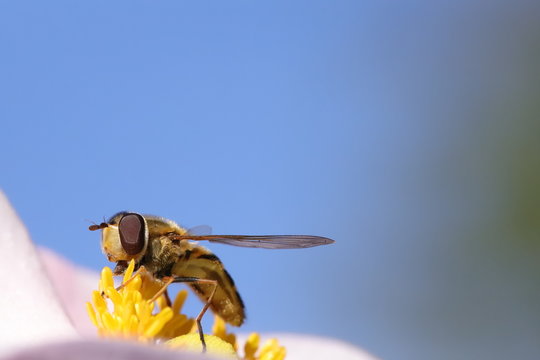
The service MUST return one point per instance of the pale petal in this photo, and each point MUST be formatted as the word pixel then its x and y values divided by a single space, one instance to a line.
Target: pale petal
pixel 95 350
pixel 74 286
pixel 29 309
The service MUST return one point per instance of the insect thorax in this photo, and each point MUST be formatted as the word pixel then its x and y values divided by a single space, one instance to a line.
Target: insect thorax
pixel 160 256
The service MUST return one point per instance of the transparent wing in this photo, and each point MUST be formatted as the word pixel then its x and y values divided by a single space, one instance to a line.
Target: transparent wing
pixel 200 230
pixel 262 241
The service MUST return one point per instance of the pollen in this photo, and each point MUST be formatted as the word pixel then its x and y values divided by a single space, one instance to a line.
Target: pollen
pixel 127 313
pixel 192 342
pixel 271 350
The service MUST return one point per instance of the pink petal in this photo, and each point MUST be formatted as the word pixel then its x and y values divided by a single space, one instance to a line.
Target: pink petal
pixel 97 350
pixel 29 308
pixel 74 286
pixel 318 348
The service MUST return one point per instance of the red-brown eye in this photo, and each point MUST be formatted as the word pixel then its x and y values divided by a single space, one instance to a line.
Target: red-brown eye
pixel 132 233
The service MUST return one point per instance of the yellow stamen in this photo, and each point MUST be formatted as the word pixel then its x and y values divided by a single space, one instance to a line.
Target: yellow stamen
pixel 129 271
pixel 98 301
pixel 127 313
pixel 251 346
pixel 157 323
pixel 91 313
pixel 220 330
pixel 106 278
pixel 113 295
pixel 179 301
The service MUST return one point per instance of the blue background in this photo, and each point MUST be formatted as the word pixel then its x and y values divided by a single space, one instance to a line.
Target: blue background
pixel 407 132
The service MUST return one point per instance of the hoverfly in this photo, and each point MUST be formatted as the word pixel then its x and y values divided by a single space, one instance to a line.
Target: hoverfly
pixel 165 251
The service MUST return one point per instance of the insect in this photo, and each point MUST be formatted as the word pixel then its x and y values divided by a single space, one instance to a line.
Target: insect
pixel 165 251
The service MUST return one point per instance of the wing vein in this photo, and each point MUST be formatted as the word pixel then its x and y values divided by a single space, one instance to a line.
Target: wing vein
pixel 261 241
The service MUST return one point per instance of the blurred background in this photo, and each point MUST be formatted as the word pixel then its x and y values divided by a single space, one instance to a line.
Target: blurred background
pixel 408 132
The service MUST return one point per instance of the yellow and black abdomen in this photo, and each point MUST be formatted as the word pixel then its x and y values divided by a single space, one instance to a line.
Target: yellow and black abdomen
pixel 198 262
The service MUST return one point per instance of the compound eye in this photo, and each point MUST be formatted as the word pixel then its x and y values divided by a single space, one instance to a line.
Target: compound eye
pixel 132 233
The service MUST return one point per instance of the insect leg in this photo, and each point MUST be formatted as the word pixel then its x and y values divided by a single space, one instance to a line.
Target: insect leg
pixel 140 270
pixel 199 317
pixel 163 291
pixel 168 281
pixel 167 298
pixel 205 307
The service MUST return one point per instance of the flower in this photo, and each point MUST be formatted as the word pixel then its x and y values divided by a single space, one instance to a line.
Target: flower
pixel 131 313
pixel 132 316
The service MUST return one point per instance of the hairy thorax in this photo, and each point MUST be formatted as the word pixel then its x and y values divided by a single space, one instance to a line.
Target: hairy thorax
pixel 161 256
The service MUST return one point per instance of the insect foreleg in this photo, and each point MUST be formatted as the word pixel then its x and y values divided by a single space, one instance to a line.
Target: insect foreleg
pixel 140 270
